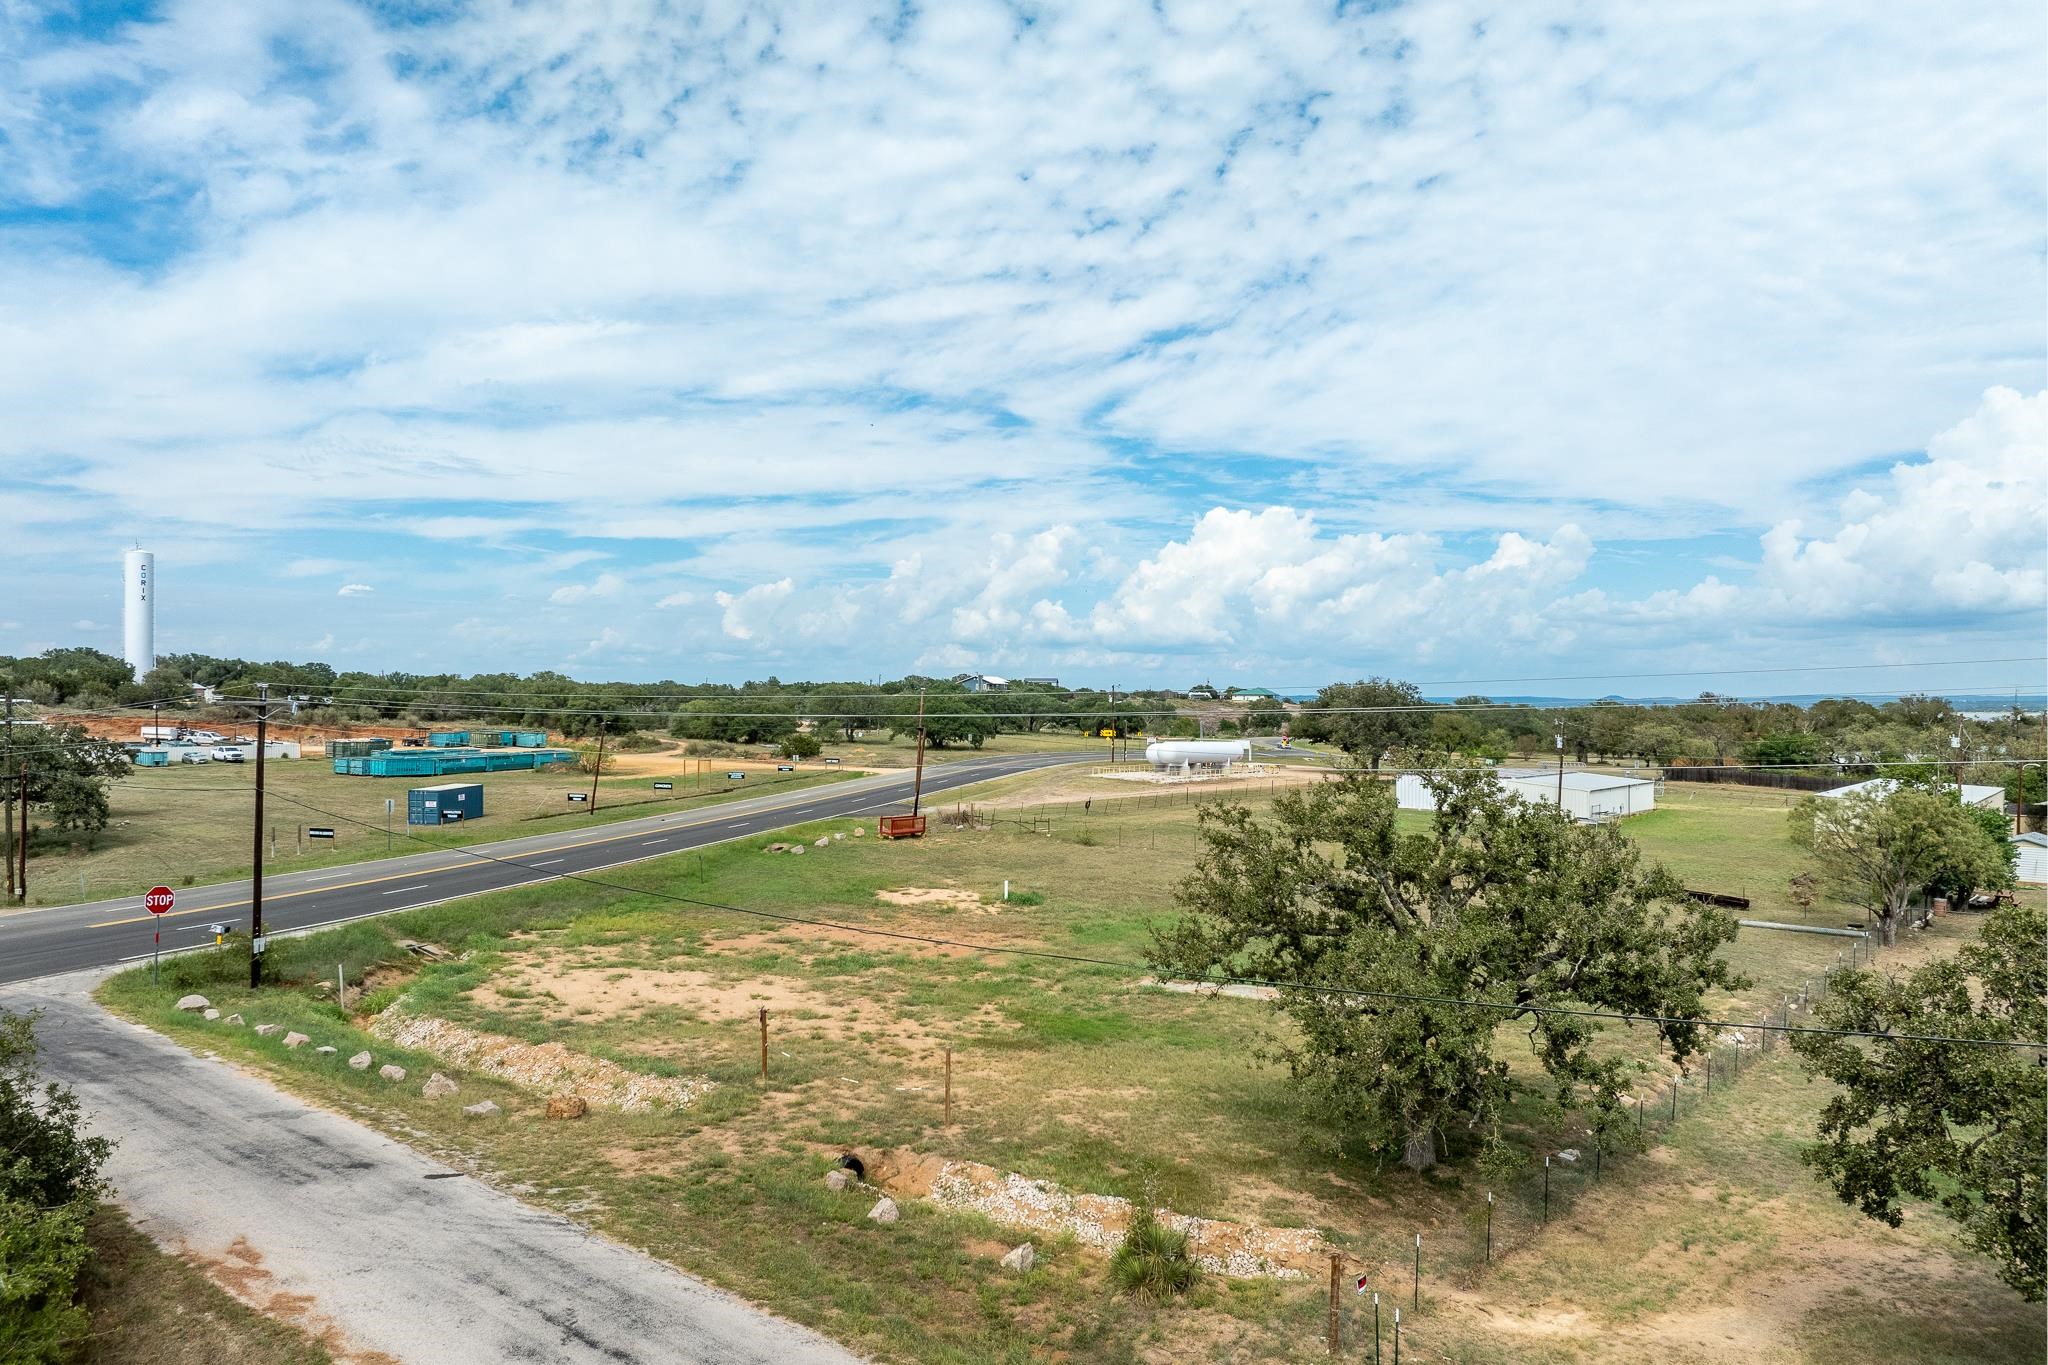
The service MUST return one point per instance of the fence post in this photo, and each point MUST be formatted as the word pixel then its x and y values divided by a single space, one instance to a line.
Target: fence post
pixel 1489 1227
pixel 1334 1301
pixel 1416 1302
pixel 949 1087
pixel 764 1042
pixel 1546 1191
pixel 1674 1091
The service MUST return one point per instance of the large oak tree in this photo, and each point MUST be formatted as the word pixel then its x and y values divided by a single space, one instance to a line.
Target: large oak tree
pixel 1372 935
pixel 1962 1124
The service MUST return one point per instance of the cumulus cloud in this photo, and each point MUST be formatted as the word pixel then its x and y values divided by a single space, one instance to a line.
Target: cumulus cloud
pixel 355 590
pixel 750 613
pixel 604 585
pixel 1130 331
pixel 680 598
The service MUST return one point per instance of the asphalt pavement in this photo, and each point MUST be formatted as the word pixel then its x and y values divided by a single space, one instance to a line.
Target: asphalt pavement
pixel 65 938
pixel 391 1255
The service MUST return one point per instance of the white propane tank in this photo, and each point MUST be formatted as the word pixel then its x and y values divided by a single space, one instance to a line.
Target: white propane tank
pixel 1181 753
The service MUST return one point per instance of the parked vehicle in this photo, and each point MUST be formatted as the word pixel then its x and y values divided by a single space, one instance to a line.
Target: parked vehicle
pixel 195 756
pixel 225 754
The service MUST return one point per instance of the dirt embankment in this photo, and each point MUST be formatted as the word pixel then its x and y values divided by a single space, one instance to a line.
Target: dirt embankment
pixel 549 1068
pixel 1237 1250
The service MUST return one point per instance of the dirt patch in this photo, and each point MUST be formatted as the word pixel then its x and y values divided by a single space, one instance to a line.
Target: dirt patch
pixel 1236 1250
pixel 239 1270
pixel 546 1067
pixel 919 897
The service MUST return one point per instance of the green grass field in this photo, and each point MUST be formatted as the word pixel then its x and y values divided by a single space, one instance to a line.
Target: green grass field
pixel 1065 1071
pixel 187 826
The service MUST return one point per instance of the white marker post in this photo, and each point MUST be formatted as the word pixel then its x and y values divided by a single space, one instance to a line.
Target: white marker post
pixel 158 901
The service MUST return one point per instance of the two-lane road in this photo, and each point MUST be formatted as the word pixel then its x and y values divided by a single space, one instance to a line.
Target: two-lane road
pixel 65 938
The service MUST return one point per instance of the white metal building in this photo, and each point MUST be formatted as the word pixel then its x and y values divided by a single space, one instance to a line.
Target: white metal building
pixel 2033 868
pixel 1587 796
pixel 1990 798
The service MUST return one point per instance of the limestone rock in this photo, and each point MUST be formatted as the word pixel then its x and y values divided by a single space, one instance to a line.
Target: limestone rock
pixel 265 1030
pixel 836 1179
pixel 438 1087
pixel 296 1040
pixel 193 1002
pixel 1020 1259
pixel 821 841
pixel 567 1106
pixel 775 848
pixel 360 1062
pixel 837 837
pixel 235 1019
pixel 482 1109
pixel 210 1015
pixel 796 848
pixel 885 1211
pixel 859 830
pixel 327 1051
pixel 391 1073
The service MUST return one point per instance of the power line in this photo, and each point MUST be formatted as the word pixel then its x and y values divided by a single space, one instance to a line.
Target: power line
pixel 1079 959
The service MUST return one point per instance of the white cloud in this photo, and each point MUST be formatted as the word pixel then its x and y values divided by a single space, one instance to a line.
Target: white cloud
pixel 680 598
pixel 961 328
pixel 355 590
pixel 322 646
pixel 604 585
pixel 86 624
pixel 751 613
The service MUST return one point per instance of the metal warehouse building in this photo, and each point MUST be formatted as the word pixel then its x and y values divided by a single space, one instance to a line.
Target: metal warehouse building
pixel 1587 796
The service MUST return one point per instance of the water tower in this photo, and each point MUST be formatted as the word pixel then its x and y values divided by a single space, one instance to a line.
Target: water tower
pixel 138 610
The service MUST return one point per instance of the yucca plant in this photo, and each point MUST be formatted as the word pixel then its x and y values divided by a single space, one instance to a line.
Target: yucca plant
pixel 1153 1258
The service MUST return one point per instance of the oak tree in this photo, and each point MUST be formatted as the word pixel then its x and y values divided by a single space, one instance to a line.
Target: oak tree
pixel 1375 937
pixel 1961 1124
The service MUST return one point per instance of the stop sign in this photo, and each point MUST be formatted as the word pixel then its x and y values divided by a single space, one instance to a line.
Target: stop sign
pixel 158 900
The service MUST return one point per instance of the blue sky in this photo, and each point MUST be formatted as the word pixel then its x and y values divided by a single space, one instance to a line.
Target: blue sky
pixel 1136 343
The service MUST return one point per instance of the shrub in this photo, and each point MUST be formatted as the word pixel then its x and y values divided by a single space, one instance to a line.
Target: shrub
pixel 49 1181
pixel 1027 898
pixel 43 1252
pixel 1153 1259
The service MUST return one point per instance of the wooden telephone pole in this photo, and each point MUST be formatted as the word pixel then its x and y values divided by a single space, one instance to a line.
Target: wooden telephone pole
pixel 917 787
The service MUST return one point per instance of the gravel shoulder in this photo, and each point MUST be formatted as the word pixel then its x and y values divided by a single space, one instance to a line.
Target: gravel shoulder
pixel 381 1253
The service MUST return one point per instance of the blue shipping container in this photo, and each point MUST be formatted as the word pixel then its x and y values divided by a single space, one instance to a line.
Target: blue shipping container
pixel 445 804
pixel 448 739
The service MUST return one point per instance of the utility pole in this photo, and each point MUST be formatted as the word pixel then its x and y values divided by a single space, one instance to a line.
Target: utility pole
pixel 917 784
pixel 598 767
pixel 256 862
pixel 7 762
pixel 21 841
pixel 1560 771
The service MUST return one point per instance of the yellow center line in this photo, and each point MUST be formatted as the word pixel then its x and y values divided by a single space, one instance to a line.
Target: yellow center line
pixel 710 818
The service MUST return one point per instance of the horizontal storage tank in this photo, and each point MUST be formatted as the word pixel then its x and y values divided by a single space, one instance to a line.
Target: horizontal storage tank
pixel 1197 753
pixel 445 804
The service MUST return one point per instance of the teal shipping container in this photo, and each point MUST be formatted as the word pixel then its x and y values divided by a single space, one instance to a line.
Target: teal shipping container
pixel 445 804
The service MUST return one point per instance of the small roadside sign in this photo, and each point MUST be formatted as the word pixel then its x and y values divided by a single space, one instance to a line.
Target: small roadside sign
pixel 579 796
pixel 735 777
pixel 831 760
pixel 1361 1284
pixel 664 786
pixel 319 832
pixel 159 900
pixel 1106 733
